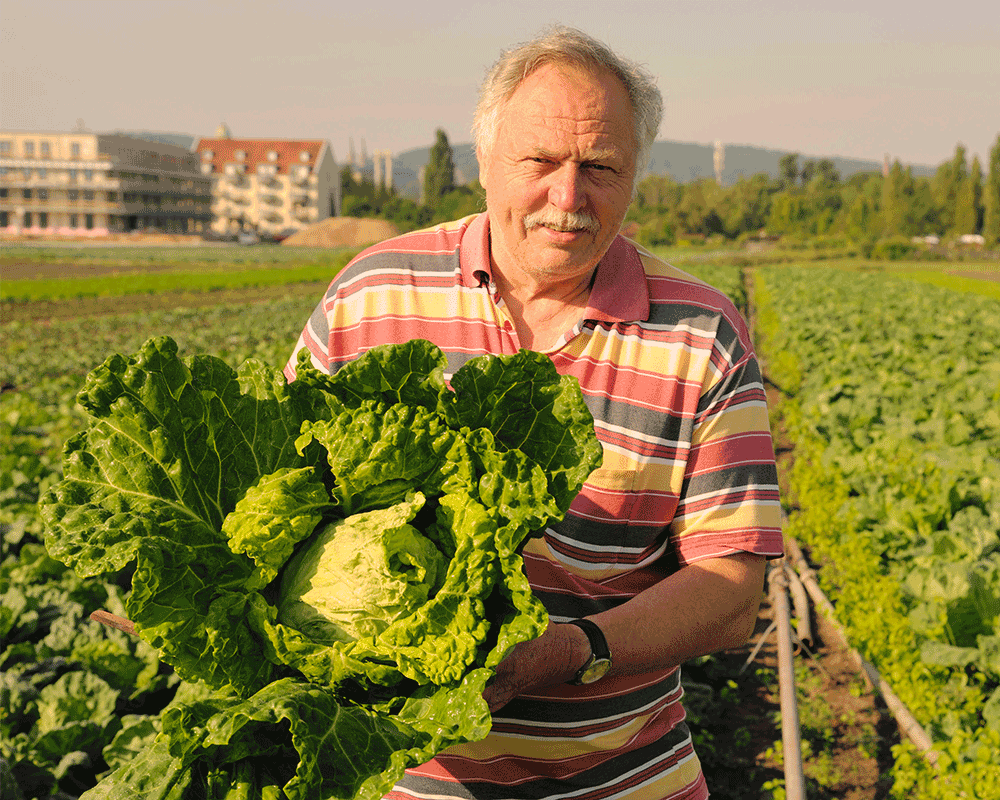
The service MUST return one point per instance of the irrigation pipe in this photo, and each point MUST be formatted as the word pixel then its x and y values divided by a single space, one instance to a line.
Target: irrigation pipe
pixel 904 718
pixel 800 605
pixel 791 739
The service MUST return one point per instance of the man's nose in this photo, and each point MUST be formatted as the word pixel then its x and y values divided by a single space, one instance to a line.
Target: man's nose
pixel 566 189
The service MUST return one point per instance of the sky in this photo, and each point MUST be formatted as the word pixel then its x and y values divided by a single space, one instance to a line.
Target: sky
pixel 859 79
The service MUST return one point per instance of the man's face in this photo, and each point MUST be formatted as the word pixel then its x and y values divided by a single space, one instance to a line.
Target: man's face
pixel 559 177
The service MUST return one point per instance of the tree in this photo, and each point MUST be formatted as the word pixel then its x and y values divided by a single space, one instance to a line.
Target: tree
pixel 947 180
pixel 991 198
pixel 828 171
pixel 967 201
pixel 807 172
pixel 439 177
pixel 788 169
pixel 893 211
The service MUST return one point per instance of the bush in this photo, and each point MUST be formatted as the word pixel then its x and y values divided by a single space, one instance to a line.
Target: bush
pixel 891 248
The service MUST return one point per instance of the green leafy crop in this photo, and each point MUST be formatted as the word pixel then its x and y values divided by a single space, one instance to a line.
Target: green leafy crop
pixel 335 559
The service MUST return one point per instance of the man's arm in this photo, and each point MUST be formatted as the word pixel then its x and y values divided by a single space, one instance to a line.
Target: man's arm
pixel 708 606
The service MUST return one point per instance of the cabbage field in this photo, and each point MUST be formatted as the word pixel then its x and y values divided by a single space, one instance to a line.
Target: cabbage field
pixel 892 397
pixel 890 392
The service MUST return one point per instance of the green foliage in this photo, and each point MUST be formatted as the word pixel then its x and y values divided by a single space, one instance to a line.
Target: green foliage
pixel 439 177
pixel 813 200
pixel 168 281
pixel 991 197
pixel 968 201
pixel 45 629
pixel 190 475
pixel 893 389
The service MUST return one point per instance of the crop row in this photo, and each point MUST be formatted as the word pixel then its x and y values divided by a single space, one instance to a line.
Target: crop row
pixel 891 396
pixel 78 698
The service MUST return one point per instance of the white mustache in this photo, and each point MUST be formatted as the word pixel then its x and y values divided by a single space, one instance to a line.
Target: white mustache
pixel 562 221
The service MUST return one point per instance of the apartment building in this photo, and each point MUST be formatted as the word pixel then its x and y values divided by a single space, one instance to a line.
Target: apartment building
pixel 94 184
pixel 269 186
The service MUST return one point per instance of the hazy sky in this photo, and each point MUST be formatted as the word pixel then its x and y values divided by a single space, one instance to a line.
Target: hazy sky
pixel 853 78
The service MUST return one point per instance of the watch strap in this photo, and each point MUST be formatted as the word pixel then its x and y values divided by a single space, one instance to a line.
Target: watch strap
pixel 599 650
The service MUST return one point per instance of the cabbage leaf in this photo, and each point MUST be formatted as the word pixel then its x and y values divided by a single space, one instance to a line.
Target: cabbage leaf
pixel 215 484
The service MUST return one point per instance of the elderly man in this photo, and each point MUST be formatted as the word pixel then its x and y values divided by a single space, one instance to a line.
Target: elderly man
pixel 661 557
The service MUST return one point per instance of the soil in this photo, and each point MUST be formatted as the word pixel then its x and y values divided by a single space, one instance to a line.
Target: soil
pixel 847 729
pixel 343 232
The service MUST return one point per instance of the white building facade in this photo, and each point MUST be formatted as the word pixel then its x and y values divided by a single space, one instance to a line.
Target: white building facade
pixel 92 184
pixel 269 186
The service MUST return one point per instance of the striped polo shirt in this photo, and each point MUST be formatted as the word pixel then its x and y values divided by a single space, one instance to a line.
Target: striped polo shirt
pixel 667 369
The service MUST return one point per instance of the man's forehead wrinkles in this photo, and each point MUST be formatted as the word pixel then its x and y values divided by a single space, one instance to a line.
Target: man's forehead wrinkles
pixel 589 125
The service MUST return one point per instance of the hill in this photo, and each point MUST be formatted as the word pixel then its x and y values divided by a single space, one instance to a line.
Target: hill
pixel 683 161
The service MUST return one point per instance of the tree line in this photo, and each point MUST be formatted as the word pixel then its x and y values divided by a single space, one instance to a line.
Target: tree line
pixel 807 200
pixel 442 199
pixel 811 199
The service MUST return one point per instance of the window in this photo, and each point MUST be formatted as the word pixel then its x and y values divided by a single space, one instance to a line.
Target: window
pixel 27 219
pixel 26 194
pixel 29 149
pixel 46 152
pixel 73 194
pixel 74 149
pixel 43 173
pixel 3 193
pixel 72 176
pixel 88 194
pixel 4 150
pixel 43 219
pixel 4 219
pixel 88 175
pixel 43 194
pixel 88 221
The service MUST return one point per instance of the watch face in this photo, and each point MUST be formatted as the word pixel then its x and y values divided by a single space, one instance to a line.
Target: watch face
pixel 595 671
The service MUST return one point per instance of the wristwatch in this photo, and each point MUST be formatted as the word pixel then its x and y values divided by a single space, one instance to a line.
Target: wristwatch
pixel 599 663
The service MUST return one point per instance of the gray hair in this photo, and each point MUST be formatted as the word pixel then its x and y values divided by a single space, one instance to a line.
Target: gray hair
pixel 563 45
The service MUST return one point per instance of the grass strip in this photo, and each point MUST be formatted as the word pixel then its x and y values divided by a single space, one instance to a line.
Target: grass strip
pixel 121 285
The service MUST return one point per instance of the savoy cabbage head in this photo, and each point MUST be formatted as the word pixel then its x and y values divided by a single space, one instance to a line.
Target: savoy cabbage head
pixel 336 558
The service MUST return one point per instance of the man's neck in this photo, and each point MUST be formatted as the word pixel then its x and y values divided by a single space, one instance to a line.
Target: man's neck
pixel 543 308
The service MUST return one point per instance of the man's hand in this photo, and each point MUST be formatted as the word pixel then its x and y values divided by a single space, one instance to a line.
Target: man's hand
pixel 702 608
pixel 554 657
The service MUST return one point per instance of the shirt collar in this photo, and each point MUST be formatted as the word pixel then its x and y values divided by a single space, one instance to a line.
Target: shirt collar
pixel 619 294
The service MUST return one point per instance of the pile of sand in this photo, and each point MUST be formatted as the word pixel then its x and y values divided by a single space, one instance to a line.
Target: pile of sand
pixel 343 232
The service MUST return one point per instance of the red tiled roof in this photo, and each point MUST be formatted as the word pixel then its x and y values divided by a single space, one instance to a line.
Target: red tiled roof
pixel 289 152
